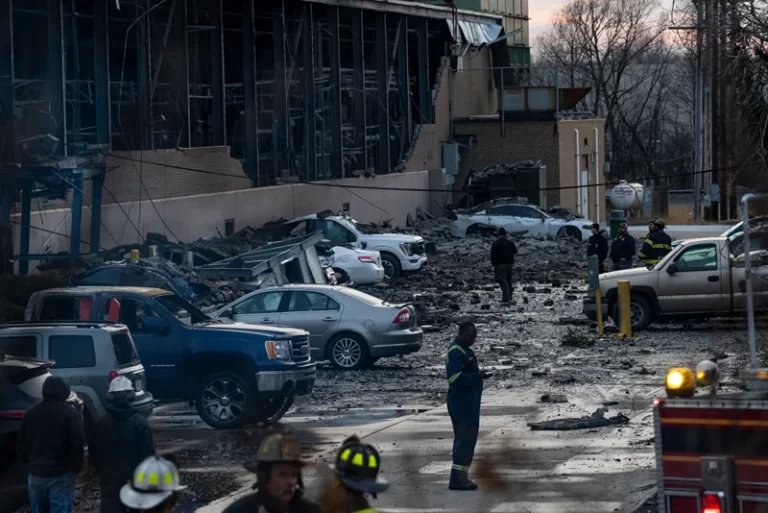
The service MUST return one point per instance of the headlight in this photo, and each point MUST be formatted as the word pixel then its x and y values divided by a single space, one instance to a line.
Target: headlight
pixel 406 247
pixel 680 382
pixel 278 349
pixel 707 373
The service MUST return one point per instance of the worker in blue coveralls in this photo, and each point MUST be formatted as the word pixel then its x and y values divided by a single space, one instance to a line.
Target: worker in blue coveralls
pixel 465 389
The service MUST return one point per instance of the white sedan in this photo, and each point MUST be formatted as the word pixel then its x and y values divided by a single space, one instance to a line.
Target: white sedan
pixel 518 219
pixel 360 266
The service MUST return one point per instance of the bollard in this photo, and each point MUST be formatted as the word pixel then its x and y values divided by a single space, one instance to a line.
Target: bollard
pixel 599 303
pixel 625 315
pixel 593 278
pixel 134 255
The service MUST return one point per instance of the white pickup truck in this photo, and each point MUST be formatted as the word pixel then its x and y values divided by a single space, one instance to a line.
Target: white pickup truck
pixel 400 252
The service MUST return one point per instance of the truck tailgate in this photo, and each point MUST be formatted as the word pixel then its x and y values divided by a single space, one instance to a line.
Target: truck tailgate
pixel 689 429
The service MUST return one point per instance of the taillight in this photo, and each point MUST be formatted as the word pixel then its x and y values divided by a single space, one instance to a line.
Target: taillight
pixel 713 503
pixel 367 259
pixel 11 414
pixel 404 317
pixel 113 375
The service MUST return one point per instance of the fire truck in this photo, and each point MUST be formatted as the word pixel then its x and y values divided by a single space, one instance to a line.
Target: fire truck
pixel 712 449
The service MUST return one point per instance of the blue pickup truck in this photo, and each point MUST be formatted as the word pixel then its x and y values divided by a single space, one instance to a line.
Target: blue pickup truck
pixel 236 374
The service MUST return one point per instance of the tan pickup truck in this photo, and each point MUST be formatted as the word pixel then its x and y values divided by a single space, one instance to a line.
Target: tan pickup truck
pixel 698 278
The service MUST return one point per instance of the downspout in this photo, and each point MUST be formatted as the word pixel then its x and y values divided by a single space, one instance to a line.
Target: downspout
pixel 578 172
pixel 597 169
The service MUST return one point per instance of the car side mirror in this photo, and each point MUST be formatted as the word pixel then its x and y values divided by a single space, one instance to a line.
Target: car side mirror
pixel 226 313
pixel 672 269
pixel 363 245
pixel 156 325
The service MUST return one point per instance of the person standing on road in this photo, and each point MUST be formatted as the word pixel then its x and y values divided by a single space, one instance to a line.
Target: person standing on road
pixel 623 249
pixel 51 445
pixel 356 473
pixel 597 246
pixel 465 390
pixel 503 253
pixel 122 440
pixel 154 488
pixel 656 244
pixel 279 485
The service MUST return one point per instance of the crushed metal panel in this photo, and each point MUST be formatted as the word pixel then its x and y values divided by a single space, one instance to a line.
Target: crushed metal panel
pixel 266 258
pixel 476 34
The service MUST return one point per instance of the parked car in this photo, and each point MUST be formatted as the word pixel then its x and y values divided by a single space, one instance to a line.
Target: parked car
pixel 699 278
pixel 516 218
pixel 235 373
pixel 353 265
pixel 400 252
pixel 87 355
pixel 350 328
pixel 21 387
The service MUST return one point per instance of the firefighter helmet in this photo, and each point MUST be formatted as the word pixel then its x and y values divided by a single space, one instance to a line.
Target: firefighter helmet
pixel 357 467
pixel 277 448
pixel 121 387
pixel 154 481
pixel 661 223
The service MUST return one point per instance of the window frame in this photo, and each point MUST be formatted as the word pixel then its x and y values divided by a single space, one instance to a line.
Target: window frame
pixel 328 300
pixel 697 269
pixel 68 349
pixel 280 304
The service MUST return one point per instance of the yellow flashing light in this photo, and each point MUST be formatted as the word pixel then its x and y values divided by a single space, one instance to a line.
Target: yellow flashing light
pixel 680 382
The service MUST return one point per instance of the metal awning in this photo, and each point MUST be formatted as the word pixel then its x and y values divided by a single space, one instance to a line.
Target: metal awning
pixel 476 34
pixel 251 264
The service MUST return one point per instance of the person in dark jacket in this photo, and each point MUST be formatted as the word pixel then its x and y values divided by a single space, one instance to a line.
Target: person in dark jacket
pixel 656 244
pixel 122 440
pixel 598 246
pixel 465 390
pixel 51 445
pixel 622 249
pixel 503 253
pixel 356 472
pixel 279 485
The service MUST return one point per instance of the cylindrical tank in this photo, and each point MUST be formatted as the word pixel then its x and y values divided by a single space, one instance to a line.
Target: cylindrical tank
pixel 626 196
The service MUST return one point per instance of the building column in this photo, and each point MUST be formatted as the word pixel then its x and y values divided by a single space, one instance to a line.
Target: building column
pixel 217 75
pixel 337 148
pixel 425 102
pixel 404 78
pixel 251 135
pixel 26 216
pixel 101 62
pixel 77 215
pixel 382 65
pixel 55 82
pixel 181 70
pixel 7 96
pixel 280 115
pixel 310 106
pixel 358 58
pixel 97 181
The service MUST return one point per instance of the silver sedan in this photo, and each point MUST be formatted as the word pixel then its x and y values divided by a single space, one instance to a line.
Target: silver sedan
pixel 350 328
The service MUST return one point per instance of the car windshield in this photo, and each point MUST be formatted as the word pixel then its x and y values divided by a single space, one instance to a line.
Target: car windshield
pixel 178 307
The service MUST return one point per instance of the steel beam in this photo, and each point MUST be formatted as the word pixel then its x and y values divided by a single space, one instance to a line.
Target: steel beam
pixel 55 82
pixel 358 61
pixel 404 79
pixel 77 215
pixel 334 49
pixel 425 102
pixel 7 97
pixel 180 72
pixel 96 193
pixel 146 140
pixel 6 198
pixel 217 74
pixel 309 93
pixel 280 114
pixel 415 9
pixel 382 65
pixel 101 61
pixel 251 136
pixel 26 216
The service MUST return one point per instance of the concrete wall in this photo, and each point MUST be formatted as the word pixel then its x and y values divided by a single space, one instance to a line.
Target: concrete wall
pixel 567 151
pixel 474 91
pixel 192 217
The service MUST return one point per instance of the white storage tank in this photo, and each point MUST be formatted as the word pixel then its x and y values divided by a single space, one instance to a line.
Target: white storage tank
pixel 626 196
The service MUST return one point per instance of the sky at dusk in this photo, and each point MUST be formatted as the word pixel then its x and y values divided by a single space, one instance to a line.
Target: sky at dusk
pixel 540 12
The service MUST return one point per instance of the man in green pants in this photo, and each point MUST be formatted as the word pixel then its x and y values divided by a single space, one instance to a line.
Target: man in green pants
pixel 503 253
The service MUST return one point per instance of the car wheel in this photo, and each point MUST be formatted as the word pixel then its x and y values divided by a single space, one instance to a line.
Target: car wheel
pixel 348 352
pixel 640 312
pixel 343 276
pixel 223 400
pixel 391 265
pixel 270 410
pixel 569 232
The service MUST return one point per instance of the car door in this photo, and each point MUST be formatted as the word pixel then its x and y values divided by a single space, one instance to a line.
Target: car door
pixel 261 308
pixel 758 244
pixel 692 282
pixel 539 224
pixel 315 312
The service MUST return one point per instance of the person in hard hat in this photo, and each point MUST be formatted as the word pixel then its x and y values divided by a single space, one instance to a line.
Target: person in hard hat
pixel 154 487
pixel 279 485
pixel 122 439
pixel 656 244
pixel 356 474
pixel 623 249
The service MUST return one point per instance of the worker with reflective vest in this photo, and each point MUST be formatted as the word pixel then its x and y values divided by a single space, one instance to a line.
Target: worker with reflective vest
pixel 154 487
pixel 356 473
pixel 465 390
pixel 656 244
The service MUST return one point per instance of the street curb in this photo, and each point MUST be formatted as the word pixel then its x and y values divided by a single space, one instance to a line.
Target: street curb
pixel 650 494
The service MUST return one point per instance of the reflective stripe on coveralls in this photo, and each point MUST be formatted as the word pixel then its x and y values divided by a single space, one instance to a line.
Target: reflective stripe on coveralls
pixel 464 395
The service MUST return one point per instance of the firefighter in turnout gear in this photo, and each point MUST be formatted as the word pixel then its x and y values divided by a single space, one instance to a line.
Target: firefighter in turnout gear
pixel 356 472
pixel 656 244
pixel 154 487
pixel 279 485
pixel 465 390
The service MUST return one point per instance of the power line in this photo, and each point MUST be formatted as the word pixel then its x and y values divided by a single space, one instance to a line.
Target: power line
pixel 183 168
pixel 44 230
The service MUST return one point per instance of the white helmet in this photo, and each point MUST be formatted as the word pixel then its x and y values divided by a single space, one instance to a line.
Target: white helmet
pixel 120 384
pixel 154 481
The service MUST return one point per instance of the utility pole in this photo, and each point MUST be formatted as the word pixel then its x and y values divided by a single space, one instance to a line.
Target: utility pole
pixel 699 106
